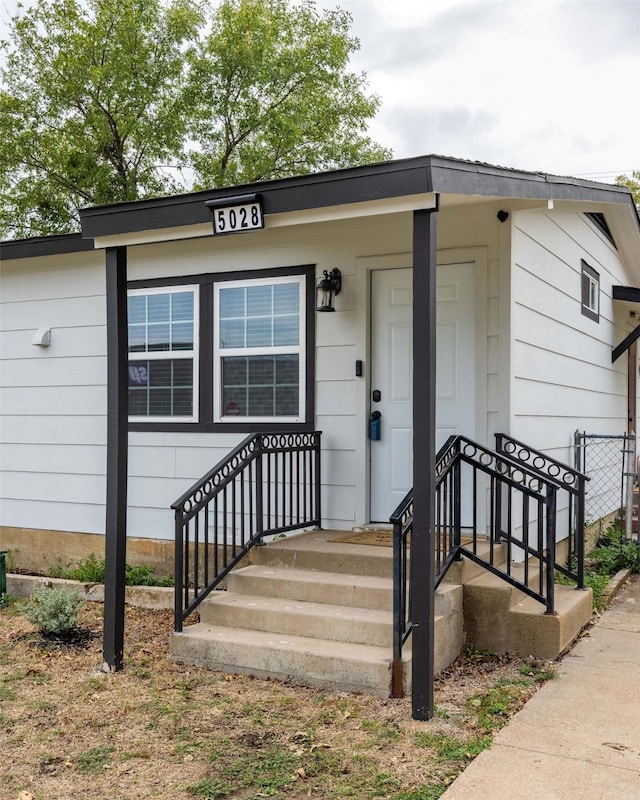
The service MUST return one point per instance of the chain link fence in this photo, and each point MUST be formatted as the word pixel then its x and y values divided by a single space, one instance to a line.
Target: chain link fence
pixel 610 464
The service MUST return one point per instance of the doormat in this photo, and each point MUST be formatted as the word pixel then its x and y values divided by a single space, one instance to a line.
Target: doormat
pixel 378 538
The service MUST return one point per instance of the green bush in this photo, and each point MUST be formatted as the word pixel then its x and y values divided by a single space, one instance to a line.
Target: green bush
pixel 614 552
pixel 92 569
pixel 53 610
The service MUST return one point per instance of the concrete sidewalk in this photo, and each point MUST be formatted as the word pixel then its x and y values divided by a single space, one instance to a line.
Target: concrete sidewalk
pixel 579 736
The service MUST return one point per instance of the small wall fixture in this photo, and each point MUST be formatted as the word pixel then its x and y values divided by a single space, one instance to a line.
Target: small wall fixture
pixel 42 337
pixel 328 287
pixel 502 215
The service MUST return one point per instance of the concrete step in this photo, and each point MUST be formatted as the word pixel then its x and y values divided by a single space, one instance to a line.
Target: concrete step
pixel 323 663
pixel 315 612
pixel 344 589
pixel 501 618
pixel 298 618
pixel 340 589
pixel 317 550
pixel 532 632
pixel 339 666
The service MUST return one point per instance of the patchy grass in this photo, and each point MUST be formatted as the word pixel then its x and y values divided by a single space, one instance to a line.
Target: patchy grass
pixel 158 729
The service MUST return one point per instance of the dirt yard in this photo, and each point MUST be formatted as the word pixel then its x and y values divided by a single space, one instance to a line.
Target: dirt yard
pixel 161 730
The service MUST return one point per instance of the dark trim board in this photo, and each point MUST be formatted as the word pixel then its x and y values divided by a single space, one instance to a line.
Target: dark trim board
pixel 625 344
pixel 629 293
pixel 117 459
pixel 45 246
pixel 385 180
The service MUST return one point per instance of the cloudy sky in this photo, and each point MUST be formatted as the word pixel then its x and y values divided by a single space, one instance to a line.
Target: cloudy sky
pixel 545 85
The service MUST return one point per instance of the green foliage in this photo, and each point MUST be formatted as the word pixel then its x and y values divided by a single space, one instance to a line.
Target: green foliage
pixel 265 770
pixel 614 552
pixel 453 748
pixel 95 760
pixel 211 788
pixel 539 673
pixel 92 569
pixel 632 183
pixel 54 611
pixel 110 100
pixel 430 791
pixel 494 706
pixel 90 107
pixel 272 94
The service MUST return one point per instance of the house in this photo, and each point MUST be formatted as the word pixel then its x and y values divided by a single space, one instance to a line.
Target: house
pixel 523 268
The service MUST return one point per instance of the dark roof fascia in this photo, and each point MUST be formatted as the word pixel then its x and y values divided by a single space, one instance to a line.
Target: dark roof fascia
pixel 44 246
pixel 354 185
pixel 389 179
pixel 450 176
pixel 629 293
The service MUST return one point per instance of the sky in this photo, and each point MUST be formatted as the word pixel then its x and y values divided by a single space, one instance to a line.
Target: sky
pixel 541 85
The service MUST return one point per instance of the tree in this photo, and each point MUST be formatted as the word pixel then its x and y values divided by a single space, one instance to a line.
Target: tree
pixel 632 183
pixel 90 107
pixel 113 100
pixel 273 96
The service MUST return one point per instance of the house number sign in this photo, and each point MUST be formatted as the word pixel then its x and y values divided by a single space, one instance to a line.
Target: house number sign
pixel 237 215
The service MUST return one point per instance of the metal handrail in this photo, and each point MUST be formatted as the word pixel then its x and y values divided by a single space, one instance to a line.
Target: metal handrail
pixel 402 521
pixel 460 463
pixel 268 484
pixel 569 479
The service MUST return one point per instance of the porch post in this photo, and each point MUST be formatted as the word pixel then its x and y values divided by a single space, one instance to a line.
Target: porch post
pixel 424 416
pixel 117 452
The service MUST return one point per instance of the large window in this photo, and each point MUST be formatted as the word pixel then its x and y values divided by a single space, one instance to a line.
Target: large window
pixel 258 349
pixel 163 363
pixel 227 350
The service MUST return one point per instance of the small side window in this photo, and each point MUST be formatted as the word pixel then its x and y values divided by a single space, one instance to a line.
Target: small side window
pixel 590 292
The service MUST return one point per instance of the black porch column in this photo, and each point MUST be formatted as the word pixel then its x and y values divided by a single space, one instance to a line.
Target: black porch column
pixel 424 429
pixel 117 452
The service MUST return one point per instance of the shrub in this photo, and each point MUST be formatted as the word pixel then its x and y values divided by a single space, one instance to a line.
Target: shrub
pixel 91 570
pixel 614 552
pixel 53 610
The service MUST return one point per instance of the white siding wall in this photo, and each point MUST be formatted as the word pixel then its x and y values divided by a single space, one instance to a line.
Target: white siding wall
pixel 163 465
pixel 553 377
pixel 53 399
pixel 562 375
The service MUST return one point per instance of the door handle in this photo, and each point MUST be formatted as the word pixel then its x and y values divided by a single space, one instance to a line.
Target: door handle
pixel 375 426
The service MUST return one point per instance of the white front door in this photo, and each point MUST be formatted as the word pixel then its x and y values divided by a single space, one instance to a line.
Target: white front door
pixel 392 367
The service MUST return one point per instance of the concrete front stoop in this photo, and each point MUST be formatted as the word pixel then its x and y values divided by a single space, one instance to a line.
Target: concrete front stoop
pixel 316 612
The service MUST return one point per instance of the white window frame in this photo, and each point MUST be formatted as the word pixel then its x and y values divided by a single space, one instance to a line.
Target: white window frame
pixel 219 352
pixel 590 292
pixel 174 355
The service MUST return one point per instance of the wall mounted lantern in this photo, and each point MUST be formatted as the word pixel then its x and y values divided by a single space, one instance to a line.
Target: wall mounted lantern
pixel 328 287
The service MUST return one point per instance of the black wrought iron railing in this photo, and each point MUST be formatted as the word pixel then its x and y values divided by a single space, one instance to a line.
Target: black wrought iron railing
pixel 499 509
pixel 402 521
pixel 269 484
pixel 571 501
pixel 500 514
